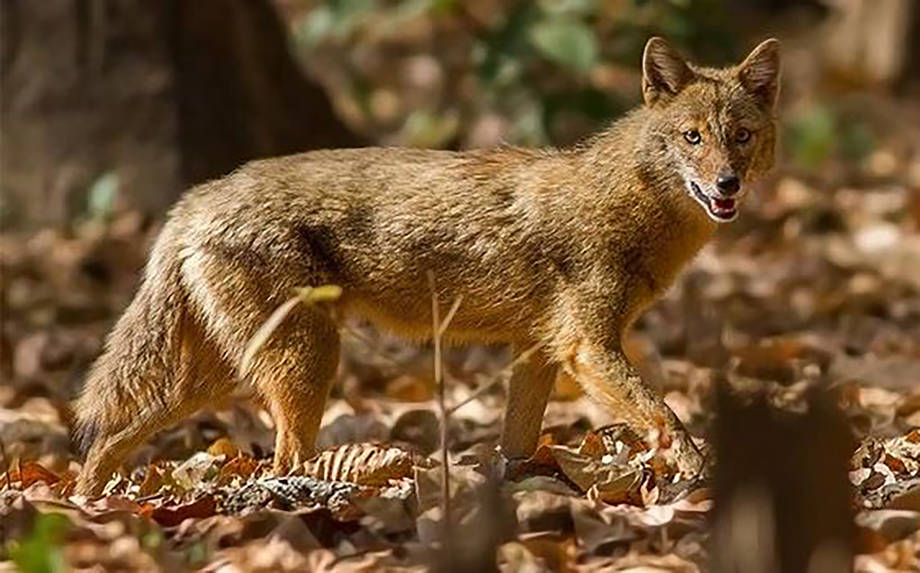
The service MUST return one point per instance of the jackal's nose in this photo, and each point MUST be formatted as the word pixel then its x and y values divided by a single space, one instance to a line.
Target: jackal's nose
pixel 728 184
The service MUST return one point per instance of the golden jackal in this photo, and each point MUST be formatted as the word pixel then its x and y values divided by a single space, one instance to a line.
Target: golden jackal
pixel 557 247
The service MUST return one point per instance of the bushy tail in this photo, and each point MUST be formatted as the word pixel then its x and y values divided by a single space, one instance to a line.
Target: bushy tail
pixel 138 367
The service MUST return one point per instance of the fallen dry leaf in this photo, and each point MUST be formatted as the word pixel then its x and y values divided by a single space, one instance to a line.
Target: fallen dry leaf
pixel 363 464
pixel 32 472
pixel 170 516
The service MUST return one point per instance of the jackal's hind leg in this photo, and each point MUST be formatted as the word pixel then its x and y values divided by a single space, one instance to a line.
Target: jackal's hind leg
pixel 293 369
pixel 294 372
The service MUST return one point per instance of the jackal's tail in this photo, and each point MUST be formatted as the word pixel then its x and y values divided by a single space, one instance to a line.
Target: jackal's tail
pixel 138 367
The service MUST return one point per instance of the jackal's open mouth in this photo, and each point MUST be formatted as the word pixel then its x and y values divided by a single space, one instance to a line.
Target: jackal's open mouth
pixel 718 208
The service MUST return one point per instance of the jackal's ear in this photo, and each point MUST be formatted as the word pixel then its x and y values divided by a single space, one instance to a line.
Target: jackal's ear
pixel 759 72
pixel 664 72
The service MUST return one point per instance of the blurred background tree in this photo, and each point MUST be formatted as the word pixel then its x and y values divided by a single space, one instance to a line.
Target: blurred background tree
pixel 110 104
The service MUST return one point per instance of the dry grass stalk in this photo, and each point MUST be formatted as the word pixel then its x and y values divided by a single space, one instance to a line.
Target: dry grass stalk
pixel 438 328
pixel 6 466
pixel 305 295
pixel 502 377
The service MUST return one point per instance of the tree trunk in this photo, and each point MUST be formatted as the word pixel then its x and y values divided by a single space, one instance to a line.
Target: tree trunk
pixel 240 94
pixel 868 41
pixel 161 94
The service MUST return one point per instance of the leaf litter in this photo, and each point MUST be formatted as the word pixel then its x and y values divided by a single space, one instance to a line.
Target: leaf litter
pixel 782 303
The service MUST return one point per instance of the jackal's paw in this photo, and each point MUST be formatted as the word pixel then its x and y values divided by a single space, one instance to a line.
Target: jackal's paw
pixel 514 468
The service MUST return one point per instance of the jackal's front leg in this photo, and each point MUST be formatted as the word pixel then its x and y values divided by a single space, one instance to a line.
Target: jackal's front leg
pixel 530 387
pixel 608 378
pixel 590 350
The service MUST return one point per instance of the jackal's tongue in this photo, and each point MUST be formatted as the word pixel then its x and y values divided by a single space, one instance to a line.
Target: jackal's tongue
pixel 724 203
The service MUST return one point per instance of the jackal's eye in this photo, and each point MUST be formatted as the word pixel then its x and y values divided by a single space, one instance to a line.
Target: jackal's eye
pixel 743 135
pixel 693 137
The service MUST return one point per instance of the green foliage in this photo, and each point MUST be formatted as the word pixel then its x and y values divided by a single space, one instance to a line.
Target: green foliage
pixel 334 18
pixel 535 64
pixel 569 43
pixel 152 540
pixel 100 199
pixel 571 7
pixel 40 551
pixel 857 141
pixel 341 19
pixel 810 136
pixel 196 554
pixel 424 128
pixel 819 133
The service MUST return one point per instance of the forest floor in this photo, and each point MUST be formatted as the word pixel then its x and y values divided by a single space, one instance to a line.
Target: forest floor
pixel 817 285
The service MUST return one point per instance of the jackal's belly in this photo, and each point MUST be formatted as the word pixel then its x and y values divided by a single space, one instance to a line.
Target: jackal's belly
pixel 411 317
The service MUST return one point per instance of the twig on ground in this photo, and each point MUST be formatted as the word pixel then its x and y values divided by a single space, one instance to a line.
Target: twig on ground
pixel 6 466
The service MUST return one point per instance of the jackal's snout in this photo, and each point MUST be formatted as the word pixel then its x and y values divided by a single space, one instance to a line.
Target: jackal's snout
pixel 728 183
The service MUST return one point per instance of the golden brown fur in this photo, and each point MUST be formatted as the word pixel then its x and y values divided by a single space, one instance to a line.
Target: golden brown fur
pixel 558 247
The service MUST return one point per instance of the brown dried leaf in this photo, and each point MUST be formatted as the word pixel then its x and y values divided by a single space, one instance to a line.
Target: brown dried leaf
pixel 908 405
pixel 224 447
pixel 153 481
pixel 363 464
pixel 621 433
pixel 908 500
pixel 193 471
pixel 241 466
pixel 882 526
pixel 585 471
pixel 171 516
pixel 544 453
pixel 409 388
pixel 896 465
pixel 418 427
pixel 592 446
pixel 32 472
pixel 111 504
pixel 65 487
pixel 557 554
pixel 621 489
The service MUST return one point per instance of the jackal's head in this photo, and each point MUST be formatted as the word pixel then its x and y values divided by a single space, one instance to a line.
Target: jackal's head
pixel 716 127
